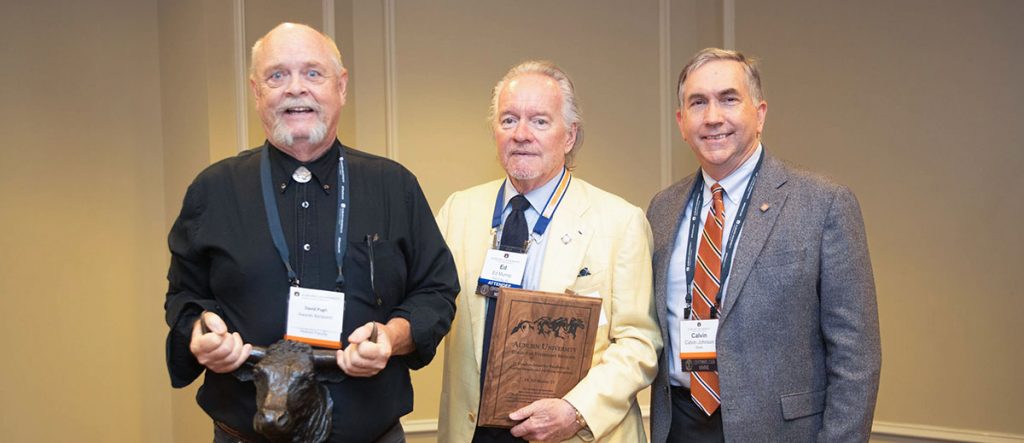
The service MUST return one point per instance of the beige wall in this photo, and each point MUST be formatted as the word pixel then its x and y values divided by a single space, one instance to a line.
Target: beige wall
pixel 916 105
pixel 81 236
pixel 913 104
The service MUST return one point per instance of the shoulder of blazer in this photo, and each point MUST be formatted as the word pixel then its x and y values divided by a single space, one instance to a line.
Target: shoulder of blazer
pixel 584 195
pixel 778 173
pixel 482 194
pixel 667 206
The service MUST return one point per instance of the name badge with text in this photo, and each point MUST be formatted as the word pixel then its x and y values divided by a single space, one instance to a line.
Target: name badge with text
pixel 315 317
pixel 502 269
pixel 697 345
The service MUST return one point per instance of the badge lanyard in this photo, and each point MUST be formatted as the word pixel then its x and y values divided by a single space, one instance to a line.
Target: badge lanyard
pixel 697 199
pixel 274 218
pixel 554 201
pixel 490 281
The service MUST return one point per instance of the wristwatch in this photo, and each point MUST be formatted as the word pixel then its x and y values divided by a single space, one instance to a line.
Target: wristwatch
pixel 583 429
pixel 580 421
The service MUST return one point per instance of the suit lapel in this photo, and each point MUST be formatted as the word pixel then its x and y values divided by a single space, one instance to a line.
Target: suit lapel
pixel 567 239
pixel 669 224
pixel 769 193
pixel 475 250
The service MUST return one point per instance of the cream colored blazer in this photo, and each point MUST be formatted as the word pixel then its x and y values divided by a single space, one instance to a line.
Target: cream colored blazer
pixel 592 229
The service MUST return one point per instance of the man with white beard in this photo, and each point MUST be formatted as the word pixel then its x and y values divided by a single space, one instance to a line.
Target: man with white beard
pixel 345 234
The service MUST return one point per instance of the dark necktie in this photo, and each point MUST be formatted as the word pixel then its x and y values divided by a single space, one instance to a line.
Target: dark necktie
pixel 513 237
pixel 515 232
pixel 706 281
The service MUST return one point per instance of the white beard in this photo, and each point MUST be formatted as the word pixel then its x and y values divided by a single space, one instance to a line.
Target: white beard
pixel 283 136
pixel 523 173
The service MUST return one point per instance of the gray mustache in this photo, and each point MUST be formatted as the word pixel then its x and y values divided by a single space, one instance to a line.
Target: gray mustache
pixel 298 103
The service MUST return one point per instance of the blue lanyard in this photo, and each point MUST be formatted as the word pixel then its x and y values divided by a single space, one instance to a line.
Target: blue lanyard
pixel 546 214
pixel 696 198
pixel 274 218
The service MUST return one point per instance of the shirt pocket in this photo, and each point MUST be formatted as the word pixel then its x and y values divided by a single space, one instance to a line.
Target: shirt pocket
pixel 384 279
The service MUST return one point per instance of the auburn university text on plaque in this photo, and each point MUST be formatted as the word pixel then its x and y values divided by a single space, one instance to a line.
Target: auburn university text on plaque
pixel 542 344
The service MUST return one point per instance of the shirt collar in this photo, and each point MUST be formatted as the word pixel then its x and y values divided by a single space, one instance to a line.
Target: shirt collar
pixel 537 197
pixel 736 182
pixel 324 168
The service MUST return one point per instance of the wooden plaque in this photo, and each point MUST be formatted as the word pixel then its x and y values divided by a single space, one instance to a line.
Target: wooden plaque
pixel 542 345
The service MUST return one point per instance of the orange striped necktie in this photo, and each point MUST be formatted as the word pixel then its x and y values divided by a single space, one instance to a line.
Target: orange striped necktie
pixel 706 281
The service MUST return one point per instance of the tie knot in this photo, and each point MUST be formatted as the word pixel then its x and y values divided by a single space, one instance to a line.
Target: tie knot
pixel 717 191
pixel 519 203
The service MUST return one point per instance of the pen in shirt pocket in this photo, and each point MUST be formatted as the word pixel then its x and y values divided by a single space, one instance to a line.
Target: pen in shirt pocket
pixel 370 239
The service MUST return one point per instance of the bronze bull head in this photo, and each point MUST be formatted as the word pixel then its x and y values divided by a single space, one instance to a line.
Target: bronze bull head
pixel 292 405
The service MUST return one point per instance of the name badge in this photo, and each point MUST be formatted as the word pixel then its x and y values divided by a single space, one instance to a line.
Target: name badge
pixel 315 317
pixel 502 269
pixel 697 345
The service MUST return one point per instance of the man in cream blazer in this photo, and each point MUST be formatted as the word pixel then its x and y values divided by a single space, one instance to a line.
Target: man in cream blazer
pixel 595 244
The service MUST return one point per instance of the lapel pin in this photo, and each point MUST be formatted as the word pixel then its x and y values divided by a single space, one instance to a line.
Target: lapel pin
pixel 764 207
pixel 566 239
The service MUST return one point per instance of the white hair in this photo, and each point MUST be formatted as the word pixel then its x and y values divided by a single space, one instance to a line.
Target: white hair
pixel 570 108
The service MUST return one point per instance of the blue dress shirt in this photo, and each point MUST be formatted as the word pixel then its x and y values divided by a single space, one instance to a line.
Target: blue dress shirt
pixel 678 287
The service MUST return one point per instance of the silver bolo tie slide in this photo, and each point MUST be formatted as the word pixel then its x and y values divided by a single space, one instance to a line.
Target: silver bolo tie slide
pixel 302 175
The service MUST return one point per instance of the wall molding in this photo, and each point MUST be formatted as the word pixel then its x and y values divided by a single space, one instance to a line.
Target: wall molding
pixel 327 10
pixel 923 433
pixel 390 82
pixel 420 428
pixel 241 72
pixel 729 24
pixel 940 433
pixel 664 91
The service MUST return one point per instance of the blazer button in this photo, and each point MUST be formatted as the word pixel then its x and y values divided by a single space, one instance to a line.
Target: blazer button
pixel 472 417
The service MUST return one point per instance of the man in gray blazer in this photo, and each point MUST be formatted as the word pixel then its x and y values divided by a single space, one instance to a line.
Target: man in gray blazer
pixel 763 284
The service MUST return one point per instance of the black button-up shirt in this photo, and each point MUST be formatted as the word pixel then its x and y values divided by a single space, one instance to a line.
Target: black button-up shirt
pixel 223 260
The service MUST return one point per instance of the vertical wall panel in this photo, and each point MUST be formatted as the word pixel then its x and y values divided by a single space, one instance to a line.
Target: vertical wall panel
pixel 450 54
pixel 82 200
pixel 916 106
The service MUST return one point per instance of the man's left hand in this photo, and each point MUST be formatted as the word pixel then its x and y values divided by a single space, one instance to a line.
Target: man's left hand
pixel 362 357
pixel 550 419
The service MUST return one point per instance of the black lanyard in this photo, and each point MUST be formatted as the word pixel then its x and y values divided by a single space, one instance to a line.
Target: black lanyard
pixel 274 218
pixel 696 198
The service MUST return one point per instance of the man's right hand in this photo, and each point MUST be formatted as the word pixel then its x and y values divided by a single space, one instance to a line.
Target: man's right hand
pixel 218 350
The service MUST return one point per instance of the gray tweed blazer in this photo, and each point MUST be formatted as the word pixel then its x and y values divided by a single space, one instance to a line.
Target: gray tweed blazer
pixel 798 344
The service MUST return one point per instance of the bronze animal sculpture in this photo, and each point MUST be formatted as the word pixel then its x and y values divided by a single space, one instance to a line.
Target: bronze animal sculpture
pixel 292 405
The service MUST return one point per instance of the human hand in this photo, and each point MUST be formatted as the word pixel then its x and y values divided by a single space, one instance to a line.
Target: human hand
pixel 550 419
pixel 363 357
pixel 218 350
